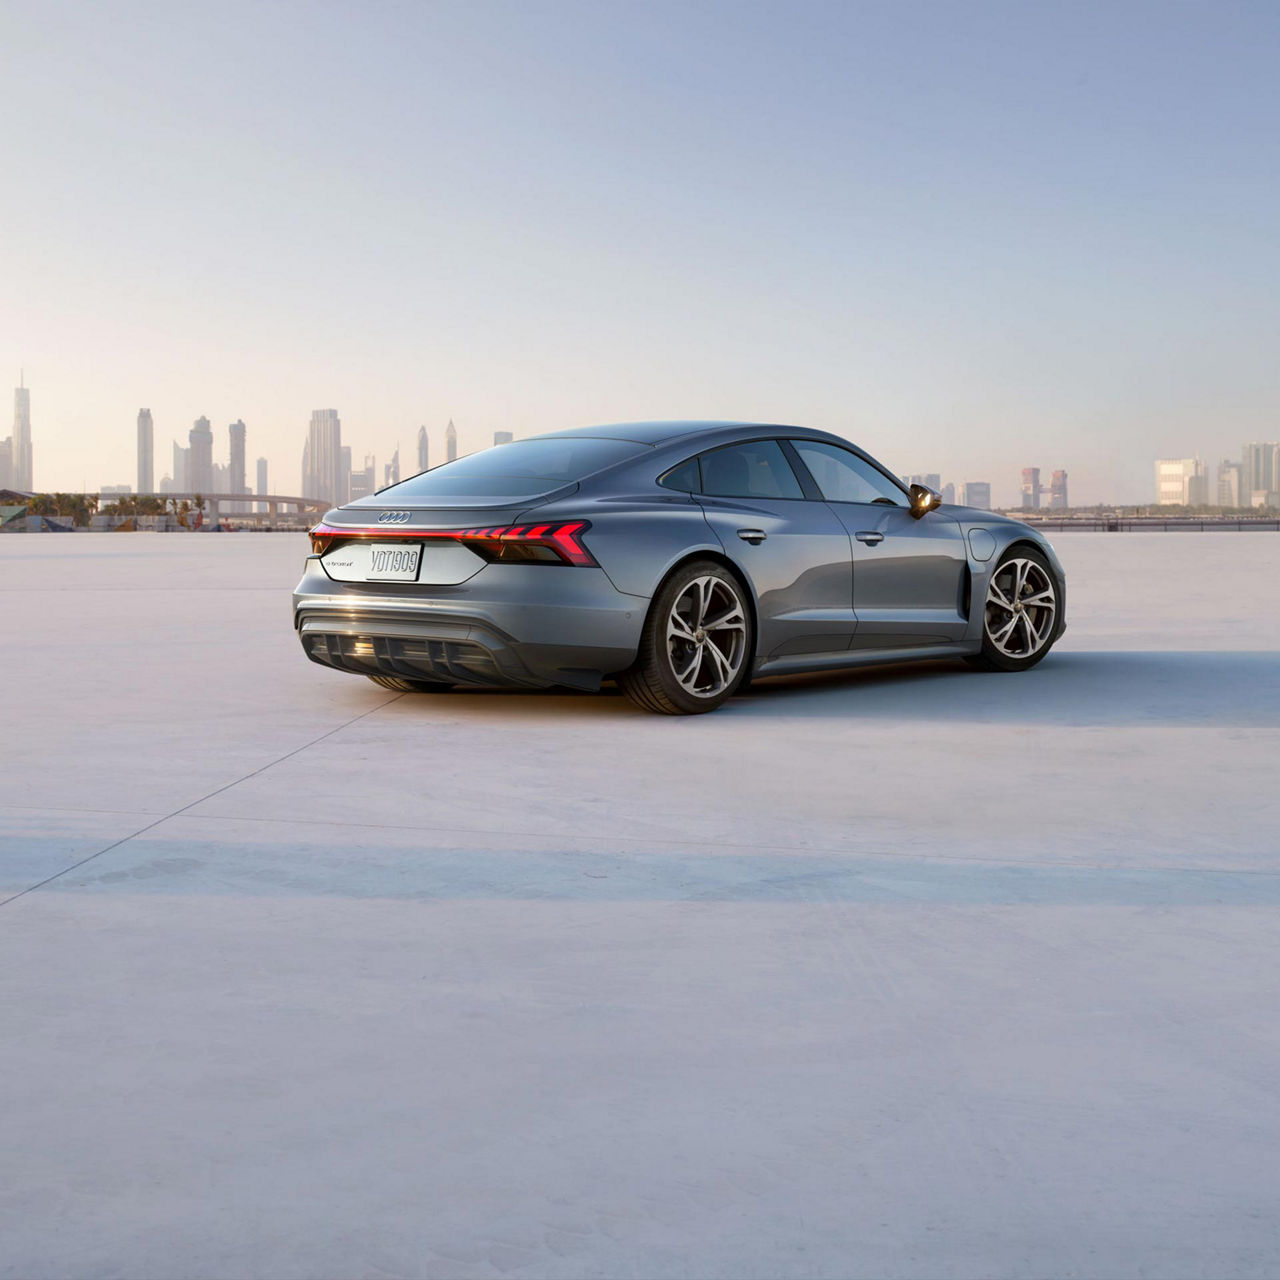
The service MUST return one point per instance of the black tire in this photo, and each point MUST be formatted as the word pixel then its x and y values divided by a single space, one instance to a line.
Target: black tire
pixel 1038 621
pixel 403 685
pixel 652 681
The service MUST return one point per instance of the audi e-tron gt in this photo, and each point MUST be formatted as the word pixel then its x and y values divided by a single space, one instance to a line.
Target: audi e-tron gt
pixel 680 559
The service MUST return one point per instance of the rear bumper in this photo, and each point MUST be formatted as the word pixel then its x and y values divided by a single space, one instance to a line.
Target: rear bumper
pixel 535 626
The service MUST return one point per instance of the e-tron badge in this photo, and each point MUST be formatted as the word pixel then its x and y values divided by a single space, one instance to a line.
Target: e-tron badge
pixel 393 517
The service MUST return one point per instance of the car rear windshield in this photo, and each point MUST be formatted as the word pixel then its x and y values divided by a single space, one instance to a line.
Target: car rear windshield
pixel 519 469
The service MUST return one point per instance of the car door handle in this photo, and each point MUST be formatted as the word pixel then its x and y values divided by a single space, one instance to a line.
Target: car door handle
pixel 870 537
pixel 753 536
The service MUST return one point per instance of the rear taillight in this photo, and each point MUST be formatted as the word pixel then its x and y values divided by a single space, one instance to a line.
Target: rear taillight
pixel 531 543
pixel 551 543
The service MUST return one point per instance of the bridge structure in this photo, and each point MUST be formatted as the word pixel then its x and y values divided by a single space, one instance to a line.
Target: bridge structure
pixel 216 504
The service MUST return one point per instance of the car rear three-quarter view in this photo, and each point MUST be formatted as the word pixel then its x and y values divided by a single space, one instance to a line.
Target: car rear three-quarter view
pixel 680 559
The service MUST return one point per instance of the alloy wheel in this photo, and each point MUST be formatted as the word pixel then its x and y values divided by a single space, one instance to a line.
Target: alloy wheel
pixel 1021 608
pixel 706 636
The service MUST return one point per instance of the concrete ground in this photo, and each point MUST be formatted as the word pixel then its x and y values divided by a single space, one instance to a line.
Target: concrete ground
pixel 918 973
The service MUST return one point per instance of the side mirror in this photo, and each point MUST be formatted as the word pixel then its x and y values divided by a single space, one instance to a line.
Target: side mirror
pixel 924 499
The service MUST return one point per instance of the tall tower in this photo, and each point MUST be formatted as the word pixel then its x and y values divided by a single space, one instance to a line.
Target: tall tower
pixel 235 475
pixel 200 463
pixel 22 468
pixel 1031 488
pixel 262 481
pixel 146 453
pixel 422 449
pixel 322 462
pixel 1058 492
pixel 450 442
pixel 391 472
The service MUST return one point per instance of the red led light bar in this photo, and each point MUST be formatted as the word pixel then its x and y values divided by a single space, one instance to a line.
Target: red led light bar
pixel 495 542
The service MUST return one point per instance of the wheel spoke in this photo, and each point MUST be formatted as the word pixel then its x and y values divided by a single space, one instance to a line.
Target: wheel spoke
pixel 688 677
pixel 1002 636
pixel 731 619
pixel 720 663
pixel 705 588
pixel 996 596
pixel 678 627
pixel 1041 599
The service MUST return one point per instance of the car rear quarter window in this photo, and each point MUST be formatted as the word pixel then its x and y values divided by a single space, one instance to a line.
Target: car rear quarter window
pixel 842 476
pixel 686 477
pixel 754 469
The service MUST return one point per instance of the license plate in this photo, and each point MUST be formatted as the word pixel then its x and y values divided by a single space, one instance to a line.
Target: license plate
pixel 374 562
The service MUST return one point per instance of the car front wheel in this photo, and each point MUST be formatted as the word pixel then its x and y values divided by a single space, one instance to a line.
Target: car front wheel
pixel 695 652
pixel 1020 615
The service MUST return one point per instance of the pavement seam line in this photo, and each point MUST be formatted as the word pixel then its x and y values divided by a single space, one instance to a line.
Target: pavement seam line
pixel 217 791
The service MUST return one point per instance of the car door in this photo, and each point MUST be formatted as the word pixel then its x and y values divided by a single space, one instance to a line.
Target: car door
pixel 910 574
pixel 795 553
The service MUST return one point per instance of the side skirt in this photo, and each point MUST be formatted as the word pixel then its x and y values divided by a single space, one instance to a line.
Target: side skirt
pixel 794 664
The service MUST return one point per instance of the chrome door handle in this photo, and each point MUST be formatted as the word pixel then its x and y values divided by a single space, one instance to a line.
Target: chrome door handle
pixel 753 536
pixel 870 537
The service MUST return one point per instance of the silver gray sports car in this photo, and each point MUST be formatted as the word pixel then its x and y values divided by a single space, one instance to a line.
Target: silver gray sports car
pixel 680 558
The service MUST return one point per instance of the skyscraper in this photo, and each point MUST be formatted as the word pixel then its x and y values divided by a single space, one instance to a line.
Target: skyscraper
pixel 236 469
pixel 1229 486
pixel 1181 482
pixel 1058 492
pixel 391 473
pixel 977 494
pixel 146 453
pixel 181 469
pixel 1259 472
pixel 200 463
pixel 365 481
pixel 22 463
pixel 6 463
pixel 423 464
pixel 450 442
pixel 1258 467
pixel 323 476
pixel 262 481
pixel 502 437
pixel 1031 489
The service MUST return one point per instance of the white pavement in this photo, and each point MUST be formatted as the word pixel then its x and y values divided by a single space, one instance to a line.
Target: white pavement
pixel 918 973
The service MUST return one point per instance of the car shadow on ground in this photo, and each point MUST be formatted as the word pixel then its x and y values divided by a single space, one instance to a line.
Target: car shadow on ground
pixel 1131 688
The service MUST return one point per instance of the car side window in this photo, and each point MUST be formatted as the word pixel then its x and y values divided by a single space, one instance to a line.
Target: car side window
pixel 842 476
pixel 755 469
pixel 685 477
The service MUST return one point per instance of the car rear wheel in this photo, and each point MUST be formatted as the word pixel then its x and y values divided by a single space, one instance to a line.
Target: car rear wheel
pixel 402 685
pixel 695 652
pixel 1020 615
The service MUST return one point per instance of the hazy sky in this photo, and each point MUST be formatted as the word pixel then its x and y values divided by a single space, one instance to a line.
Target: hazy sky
pixel 970 236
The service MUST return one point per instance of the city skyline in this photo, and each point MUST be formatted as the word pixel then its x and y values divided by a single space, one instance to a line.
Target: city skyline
pixel 1006 491
pixel 328 471
pixel 962 237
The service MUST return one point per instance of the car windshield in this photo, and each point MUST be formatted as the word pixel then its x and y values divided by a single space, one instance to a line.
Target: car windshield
pixel 517 469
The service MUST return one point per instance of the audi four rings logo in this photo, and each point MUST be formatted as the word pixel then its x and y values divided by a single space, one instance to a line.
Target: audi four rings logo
pixel 394 517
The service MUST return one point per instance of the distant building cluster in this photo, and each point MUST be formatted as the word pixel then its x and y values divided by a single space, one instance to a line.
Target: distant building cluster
pixel 194 470
pixel 974 493
pixel 1033 489
pixel 1253 481
pixel 329 474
